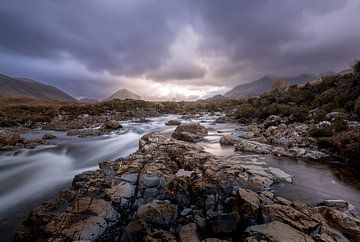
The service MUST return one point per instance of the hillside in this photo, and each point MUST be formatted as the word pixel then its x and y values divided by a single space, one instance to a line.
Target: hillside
pixel 88 100
pixel 123 94
pixel 22 87
pixel 262 85
pixel 329 107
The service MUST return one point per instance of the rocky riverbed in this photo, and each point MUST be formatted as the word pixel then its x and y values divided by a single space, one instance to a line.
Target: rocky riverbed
pixel 173 190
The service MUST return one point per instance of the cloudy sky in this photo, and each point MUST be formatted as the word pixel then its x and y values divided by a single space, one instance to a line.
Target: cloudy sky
pixel 171 49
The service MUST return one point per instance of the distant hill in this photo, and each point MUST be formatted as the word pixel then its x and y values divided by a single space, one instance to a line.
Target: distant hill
pixel 262 85
pixel 217 97
pixel 88 100
pixel 124 94
pixel 11 87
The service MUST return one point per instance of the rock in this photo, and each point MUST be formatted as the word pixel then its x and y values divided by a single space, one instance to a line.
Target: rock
pixel 160 235
pixel 173 122
pixel 135 231
pixel 276 231
pixel 139 196
pixel 192 132
pixel 301 217
pixel 186 211
pixel 280 174
pixel 228 140
pixel 160 213
pixel 272 120
pixel 221 120
pixel 111 125
pixel 214 240
pixel 338 204
pixel 48 136
pixel 188 233
pixel 334 115
pixel 223 224
pixel 346 223
pixel 84 132
pixel 187 136
pixel 247 204
pixel 9 138
pixel 252 146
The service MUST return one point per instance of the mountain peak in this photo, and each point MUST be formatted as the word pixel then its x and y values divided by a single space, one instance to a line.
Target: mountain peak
pixel 124 94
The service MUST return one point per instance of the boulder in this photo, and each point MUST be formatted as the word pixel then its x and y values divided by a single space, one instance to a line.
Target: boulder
pixel 160 213
pixel 334 115
pixel 346 223
pixel 224 224
pixel 160 235
pixel 276 231
pixel 135 231
pixel 48 136
pixel 173 122
pixel 192 132
pixel 228 140
pixel 301 217
pixel 247 204
pixel 9 138
pixel 84 132
pixel 253 146
pixel 111 125
pixel 188 233
pixel 272 120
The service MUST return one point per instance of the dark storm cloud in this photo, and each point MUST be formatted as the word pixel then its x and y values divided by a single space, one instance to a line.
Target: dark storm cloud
pixel 87 47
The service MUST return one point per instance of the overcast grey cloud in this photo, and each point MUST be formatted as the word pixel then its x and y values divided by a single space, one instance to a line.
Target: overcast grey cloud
pixel 91 48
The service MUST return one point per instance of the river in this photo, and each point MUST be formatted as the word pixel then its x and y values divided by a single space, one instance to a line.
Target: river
pixel 30 177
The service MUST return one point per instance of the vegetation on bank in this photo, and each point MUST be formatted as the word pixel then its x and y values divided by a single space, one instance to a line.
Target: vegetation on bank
pixel 27 112
pixel 334 98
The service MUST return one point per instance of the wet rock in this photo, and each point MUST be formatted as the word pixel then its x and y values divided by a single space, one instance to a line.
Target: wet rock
pixel 186 211
pixel 276 231
pixel 223 224
pixel 228 140
pixel 135 231
pixel 346 223
pixel 140 195
pixel 173 122
pixel 214 240
pixel 298 216
pixel 247 204
pixel 192 132
pixel 111 125
pixel 221 120
pixel 9 138
pixel 160 213
pixel 188 233
pixel 339 204
pixel 48 136
pixel 84 132
pixel 253 146
pixel 187 136
pixel 160 235
pixel 334 115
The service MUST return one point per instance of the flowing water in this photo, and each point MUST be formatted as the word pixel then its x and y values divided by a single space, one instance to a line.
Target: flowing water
pixel 29 177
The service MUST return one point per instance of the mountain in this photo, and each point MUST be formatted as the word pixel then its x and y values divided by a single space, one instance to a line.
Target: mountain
pixel 262 85
pixel 124 94
pixel 23 87
pixel 88 100
pixel 217 97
